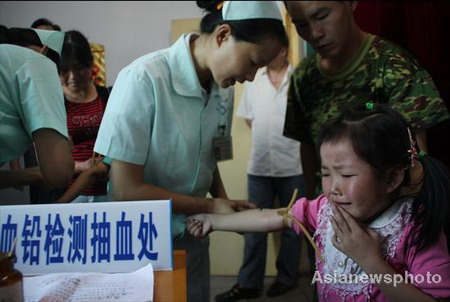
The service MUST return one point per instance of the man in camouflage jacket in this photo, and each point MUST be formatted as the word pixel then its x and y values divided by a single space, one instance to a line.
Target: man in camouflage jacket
pixel 351 67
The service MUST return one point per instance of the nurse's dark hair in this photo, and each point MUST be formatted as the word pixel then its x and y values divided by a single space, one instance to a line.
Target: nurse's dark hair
pixel 379 136
pixel 25 37
pixel 250 30
pixel 76 50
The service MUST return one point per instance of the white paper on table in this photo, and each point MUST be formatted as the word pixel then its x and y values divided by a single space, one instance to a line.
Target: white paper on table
pixel 88 287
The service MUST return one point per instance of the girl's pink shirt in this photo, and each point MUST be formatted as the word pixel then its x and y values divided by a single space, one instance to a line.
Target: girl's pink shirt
pixel 433 262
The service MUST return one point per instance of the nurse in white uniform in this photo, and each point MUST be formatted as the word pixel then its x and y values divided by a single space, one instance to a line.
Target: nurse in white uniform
pixel 32 109
pixel 168 119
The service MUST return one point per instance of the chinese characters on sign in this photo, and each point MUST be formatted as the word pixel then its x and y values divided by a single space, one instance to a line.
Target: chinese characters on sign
pixel 101 237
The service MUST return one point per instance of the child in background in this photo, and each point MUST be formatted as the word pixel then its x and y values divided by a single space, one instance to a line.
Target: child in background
pixel 382 212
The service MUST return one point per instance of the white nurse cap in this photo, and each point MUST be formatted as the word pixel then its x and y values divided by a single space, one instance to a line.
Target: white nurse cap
pixel 52 38
pixel 243 10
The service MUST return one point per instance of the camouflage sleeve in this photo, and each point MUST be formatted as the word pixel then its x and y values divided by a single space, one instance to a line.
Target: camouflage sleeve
pixel 412 92
pixel 296 124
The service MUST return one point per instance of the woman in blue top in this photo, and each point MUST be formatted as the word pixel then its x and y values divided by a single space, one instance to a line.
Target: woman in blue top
pixel 168 119
pixel 32 107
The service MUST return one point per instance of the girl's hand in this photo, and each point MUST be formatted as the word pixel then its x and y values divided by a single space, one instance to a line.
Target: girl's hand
pixel 199 225
pixel 359 243
pixel 81 166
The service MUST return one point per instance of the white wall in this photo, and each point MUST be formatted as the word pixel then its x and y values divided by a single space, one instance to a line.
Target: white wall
pixel 127 29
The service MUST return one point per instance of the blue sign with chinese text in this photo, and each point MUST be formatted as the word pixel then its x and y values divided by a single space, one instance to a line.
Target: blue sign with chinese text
pixel 88 237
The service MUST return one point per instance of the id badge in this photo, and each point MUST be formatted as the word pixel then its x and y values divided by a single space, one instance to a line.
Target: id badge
pixel 222 148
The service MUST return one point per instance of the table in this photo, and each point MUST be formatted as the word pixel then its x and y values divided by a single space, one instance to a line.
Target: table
pixel 171 285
